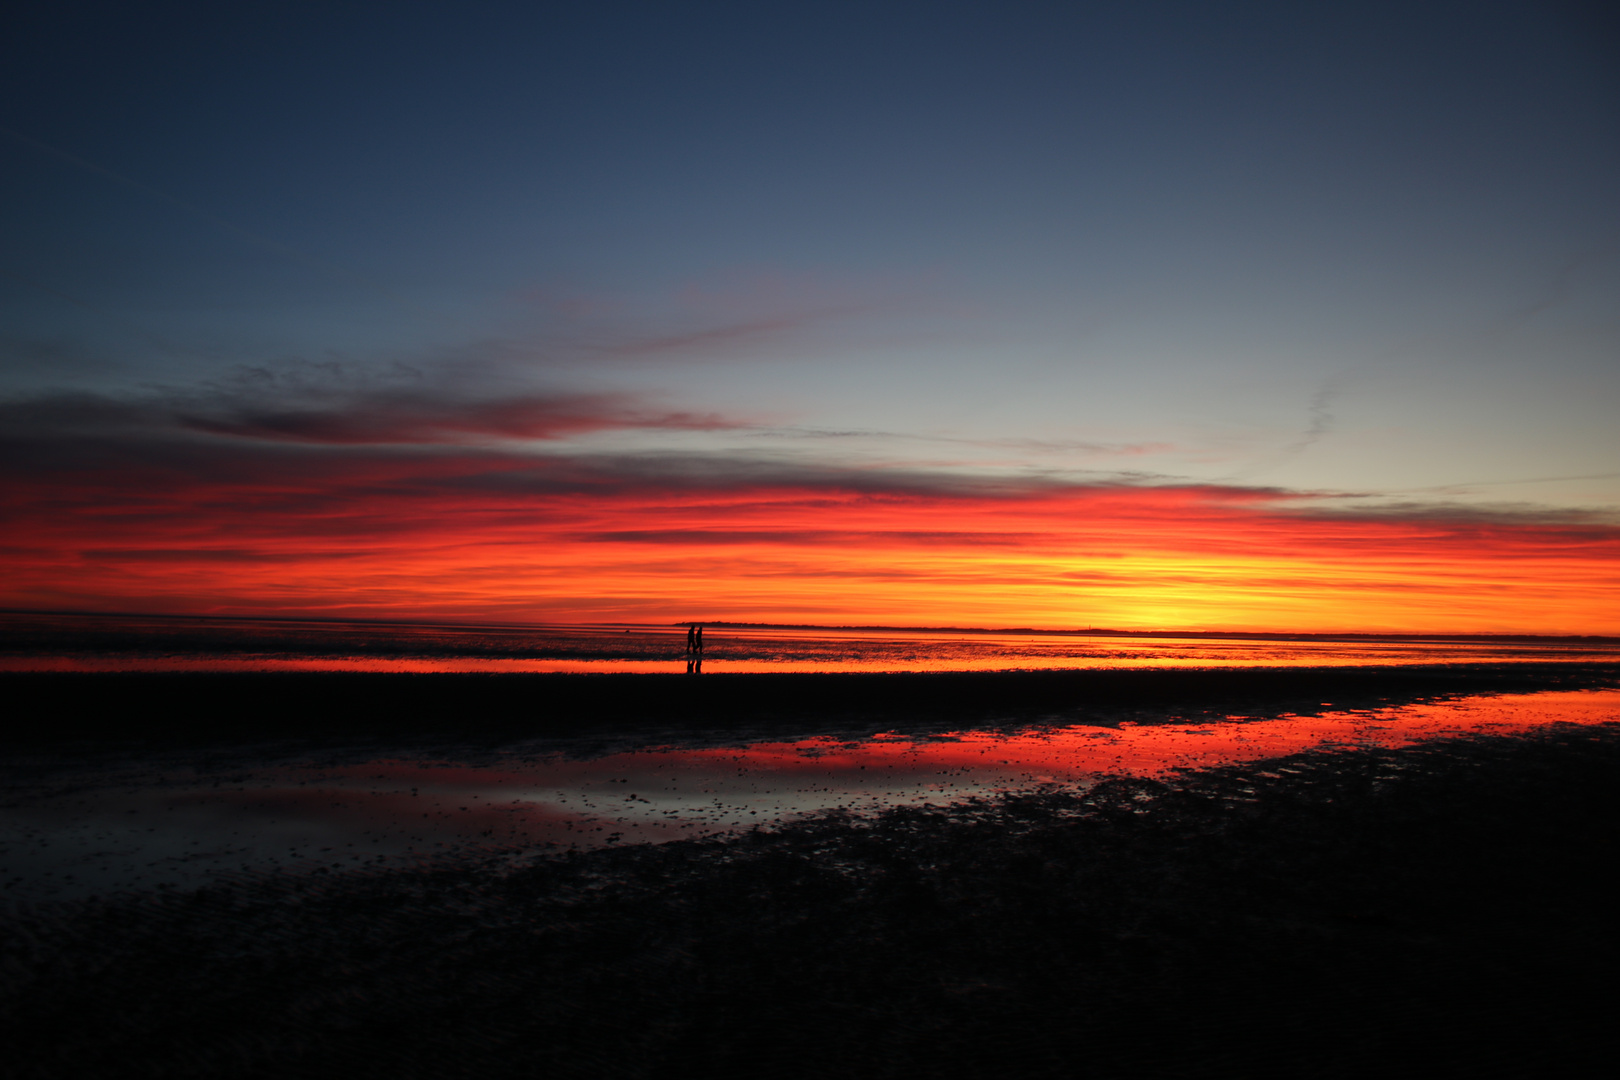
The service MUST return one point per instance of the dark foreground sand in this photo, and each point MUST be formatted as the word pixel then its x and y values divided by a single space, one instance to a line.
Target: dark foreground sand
pixel 95 711
pixel 1444 910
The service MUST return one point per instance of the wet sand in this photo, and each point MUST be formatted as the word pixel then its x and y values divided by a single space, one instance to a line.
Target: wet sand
pixel 75 824
pixel 1439 909
pixel 107 709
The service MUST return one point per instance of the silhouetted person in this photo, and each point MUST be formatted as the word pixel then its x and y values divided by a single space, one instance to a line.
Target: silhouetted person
pixel 691 638
pixel 700 640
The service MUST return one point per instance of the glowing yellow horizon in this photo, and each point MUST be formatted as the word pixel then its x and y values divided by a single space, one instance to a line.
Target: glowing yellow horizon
pixel 1128 558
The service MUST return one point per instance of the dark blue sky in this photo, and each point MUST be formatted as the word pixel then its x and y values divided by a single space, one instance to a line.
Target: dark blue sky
pixel 1360 247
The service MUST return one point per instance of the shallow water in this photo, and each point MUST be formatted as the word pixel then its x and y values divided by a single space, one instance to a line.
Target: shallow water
pixel 180 820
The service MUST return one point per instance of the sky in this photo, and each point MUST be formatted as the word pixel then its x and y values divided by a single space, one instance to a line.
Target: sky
pixel 1141 315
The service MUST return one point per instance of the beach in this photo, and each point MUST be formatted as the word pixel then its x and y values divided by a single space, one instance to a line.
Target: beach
pixel 1429 901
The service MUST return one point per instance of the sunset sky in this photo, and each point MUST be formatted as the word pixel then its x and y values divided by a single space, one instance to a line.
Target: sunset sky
pixel 1150 315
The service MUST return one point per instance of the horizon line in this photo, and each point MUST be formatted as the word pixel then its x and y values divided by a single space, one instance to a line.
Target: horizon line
pixel 1095 631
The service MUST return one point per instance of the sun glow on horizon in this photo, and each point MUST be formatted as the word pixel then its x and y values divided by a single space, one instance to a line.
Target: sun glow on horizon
pixel 398 544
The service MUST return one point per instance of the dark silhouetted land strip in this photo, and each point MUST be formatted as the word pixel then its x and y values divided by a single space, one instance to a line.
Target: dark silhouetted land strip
pixel 97 708
pixel 1443 910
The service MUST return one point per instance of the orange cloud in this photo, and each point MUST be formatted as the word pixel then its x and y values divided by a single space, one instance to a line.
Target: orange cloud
pixel 228 526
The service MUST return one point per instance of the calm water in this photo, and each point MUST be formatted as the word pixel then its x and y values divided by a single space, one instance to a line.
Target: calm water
pixel 94 643
pixel 72 828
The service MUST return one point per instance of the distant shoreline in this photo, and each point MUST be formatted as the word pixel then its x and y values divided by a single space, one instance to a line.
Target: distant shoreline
pixel 1243 635
pixel 1238 635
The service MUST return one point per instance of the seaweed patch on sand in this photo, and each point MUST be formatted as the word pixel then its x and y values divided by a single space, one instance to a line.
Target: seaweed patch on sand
pixel 1441 909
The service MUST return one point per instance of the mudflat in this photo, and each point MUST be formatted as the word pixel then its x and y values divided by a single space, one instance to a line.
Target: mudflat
pixel 1439 909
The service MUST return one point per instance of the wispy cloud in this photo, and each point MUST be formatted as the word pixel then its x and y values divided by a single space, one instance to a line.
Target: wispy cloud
pixel 718 338
pixel 383 417
pixel 1043 446
pixel 1319 421
pixel 745 313
pixel 1560 287
pixel 427 419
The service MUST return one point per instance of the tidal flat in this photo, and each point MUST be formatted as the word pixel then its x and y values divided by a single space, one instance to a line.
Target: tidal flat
pixel 1417 884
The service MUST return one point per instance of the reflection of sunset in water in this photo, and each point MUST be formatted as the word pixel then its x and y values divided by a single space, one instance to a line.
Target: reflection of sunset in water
pixel 183 822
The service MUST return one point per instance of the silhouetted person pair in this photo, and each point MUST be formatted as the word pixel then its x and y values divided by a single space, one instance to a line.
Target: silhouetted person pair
pixel 694 649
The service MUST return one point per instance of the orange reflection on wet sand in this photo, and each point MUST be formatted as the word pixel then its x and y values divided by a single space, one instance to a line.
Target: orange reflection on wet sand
pixel 183 823
pixel 987 759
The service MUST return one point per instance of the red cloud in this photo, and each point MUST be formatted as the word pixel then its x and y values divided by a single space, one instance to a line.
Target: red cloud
pixel 264 527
